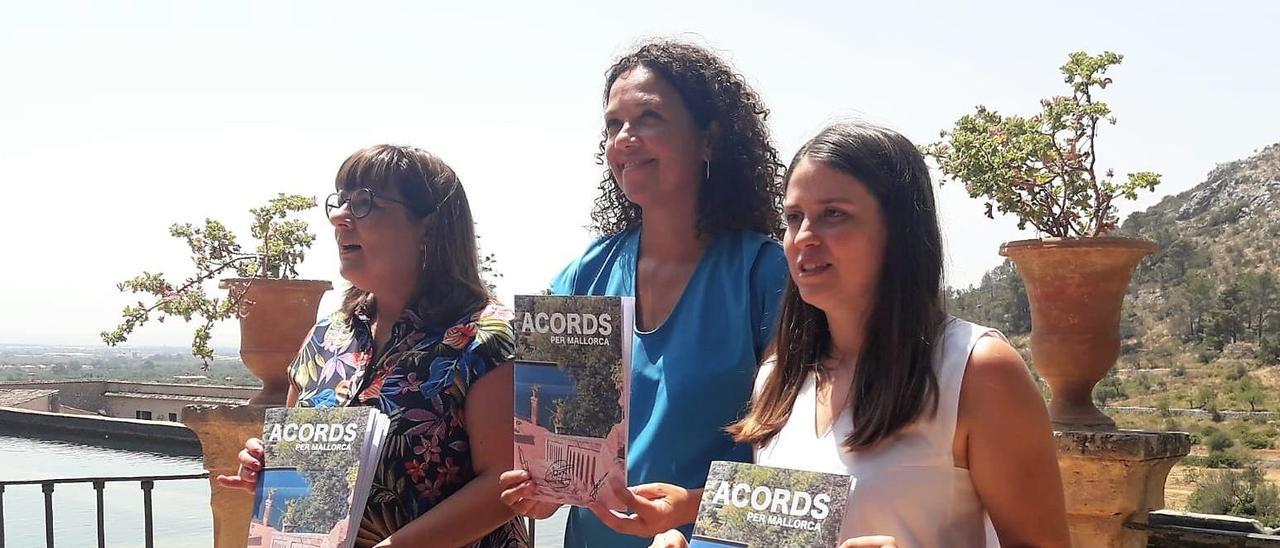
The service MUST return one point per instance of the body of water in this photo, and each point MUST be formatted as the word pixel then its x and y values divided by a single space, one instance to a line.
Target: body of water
pixel 180 509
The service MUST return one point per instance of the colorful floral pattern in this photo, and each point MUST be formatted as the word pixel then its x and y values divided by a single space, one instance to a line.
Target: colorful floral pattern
pixel 421 383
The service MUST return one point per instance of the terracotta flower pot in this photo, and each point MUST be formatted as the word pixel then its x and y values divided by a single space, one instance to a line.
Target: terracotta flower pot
pixel 275 317
pixel 1076 287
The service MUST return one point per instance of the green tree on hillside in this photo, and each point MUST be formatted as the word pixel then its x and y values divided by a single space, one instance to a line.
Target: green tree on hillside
pixel 1000 301
pixel 1109 389
pixel 1245 493
pixel 1174 260
pixel 1188 305
pixel 1269 352
pixel 1259 298
pixel 594 407
pixel 1227 324
pixel 1200 293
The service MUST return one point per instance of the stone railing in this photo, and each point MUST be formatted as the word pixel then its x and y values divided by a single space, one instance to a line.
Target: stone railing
pixel 1115 478
pixel 1169 529
pixel 222 431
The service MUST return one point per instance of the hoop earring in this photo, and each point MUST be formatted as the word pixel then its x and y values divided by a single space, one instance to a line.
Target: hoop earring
pixel 708 164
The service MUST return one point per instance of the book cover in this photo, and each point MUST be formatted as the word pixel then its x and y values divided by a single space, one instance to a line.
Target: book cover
pixel 317 467
pixel 753 506
pixel 573 364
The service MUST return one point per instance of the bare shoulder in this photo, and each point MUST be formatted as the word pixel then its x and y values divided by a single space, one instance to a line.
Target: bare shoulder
pixel 995 368
pixel 762 375
pixel 1005 440
pixel 998 391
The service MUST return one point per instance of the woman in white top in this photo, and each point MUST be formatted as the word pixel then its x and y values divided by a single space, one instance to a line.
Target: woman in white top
pixel 937 419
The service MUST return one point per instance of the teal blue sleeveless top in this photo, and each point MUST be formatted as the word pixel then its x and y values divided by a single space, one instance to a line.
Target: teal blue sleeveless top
pixel 692 376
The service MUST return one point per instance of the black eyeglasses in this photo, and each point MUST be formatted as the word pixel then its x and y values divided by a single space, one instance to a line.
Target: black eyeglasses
pixel 359 202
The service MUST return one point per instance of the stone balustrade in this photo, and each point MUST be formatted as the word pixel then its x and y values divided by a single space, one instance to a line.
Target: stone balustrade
pixel 222 431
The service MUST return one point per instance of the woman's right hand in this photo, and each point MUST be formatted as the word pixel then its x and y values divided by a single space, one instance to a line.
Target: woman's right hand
pixel 672 538
pixel 870 541
pixel 250 464
pixel 517 488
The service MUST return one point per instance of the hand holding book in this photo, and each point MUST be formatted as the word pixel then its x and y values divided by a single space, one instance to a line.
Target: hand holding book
pixel 871 541
pixel 246 477
pixel 669 539
pixel 654 507
pixel 572 366
pixel 675 539
pixel 311 473
pixel 753 506
pixel 518 491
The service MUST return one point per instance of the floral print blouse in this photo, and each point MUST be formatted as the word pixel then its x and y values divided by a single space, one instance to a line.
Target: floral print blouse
pixel 421 383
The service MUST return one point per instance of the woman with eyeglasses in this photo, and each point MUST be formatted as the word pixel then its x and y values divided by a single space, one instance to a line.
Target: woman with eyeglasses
pixel 419 337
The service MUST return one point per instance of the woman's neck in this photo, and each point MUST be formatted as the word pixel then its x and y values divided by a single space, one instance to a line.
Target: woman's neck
pixel 848 329
pixel 390 306
pixel 671 233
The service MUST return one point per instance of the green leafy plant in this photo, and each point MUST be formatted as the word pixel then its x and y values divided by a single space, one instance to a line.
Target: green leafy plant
pixel 282 245
pixel 1245 493
pixel 1042 168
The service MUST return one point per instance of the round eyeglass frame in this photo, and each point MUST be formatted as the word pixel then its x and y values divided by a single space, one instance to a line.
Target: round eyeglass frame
pixel 336 201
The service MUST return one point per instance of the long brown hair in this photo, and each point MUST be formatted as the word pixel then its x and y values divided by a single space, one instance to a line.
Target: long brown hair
pixel 894 382
pixel 450 285
pixel 743 191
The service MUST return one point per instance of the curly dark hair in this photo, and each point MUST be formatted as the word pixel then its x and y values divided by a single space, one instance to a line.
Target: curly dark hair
pixel 745 188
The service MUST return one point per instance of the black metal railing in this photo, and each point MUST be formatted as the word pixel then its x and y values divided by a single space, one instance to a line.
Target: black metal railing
pixel 47 485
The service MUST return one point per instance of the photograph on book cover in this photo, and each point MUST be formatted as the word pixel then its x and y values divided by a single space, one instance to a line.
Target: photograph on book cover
pixel 307 509
pixel 312 461
pixel 753 506
pixel 708 542
pixel 571 397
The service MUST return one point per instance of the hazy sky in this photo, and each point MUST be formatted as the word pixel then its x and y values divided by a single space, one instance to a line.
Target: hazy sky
pixel 119 118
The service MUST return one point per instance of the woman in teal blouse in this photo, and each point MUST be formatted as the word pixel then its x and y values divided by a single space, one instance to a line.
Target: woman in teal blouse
pixel 688 210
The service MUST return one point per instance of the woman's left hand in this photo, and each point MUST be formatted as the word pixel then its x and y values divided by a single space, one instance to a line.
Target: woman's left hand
pixel 654 507
pixel 670 539
pixel 870 541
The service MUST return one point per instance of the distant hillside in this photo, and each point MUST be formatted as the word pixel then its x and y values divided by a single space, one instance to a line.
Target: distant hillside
pixel 1208 299
pixel 1213 281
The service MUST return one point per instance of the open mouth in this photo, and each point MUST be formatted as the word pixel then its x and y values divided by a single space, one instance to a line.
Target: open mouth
pixel 349 248
pixel 813 268
pixel 627 166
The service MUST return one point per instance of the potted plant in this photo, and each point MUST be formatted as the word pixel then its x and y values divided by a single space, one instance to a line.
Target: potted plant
pixel 275 309
pixel 1042 169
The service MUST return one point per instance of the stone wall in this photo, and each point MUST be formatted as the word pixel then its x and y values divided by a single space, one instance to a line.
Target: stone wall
pixel 46 425
pixel 47 403
pixel 85 395
pixel 208 391
pixel 160 410
pixel 92 396
pixel 1195 413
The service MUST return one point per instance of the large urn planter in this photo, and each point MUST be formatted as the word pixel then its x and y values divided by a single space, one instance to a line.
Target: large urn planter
pixel 1076 287
pixel 275 318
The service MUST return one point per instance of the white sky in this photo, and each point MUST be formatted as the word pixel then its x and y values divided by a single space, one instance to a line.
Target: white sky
pixel 119 118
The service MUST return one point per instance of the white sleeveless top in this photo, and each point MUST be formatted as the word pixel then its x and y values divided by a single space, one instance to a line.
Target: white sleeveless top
pixel 909 486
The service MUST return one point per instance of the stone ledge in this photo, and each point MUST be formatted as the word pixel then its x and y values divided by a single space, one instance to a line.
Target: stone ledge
pixel 42 423
pixel 1129 445
pixel 222 431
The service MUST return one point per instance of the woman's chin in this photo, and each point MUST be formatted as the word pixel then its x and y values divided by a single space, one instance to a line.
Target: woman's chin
pixel 353 274
pixel 818 296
